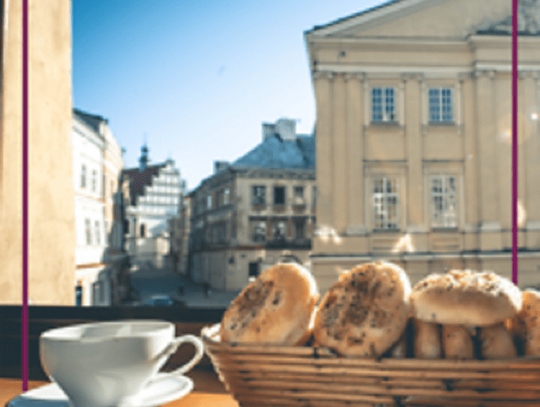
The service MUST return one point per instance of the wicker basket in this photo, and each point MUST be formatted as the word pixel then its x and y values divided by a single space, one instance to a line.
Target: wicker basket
pixel 262 375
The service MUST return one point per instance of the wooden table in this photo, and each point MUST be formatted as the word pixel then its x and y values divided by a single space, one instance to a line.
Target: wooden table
pixel 206 391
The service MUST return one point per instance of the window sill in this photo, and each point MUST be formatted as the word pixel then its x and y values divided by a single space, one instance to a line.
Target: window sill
pixel 386 230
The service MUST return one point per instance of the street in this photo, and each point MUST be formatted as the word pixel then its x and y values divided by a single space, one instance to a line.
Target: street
pixel 148 280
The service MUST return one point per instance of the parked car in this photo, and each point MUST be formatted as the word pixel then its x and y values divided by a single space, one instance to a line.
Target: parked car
pixel 159 300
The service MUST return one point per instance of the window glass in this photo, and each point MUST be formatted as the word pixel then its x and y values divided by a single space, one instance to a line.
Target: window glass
pixel 440 105
pixel 279 195
pixel 258 196
pixel 383 106
pixel 444 201
pixel 83 176
pixel 385 203
pixel 88 231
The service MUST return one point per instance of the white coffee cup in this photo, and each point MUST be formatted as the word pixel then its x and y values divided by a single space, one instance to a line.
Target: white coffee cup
pixel 106 364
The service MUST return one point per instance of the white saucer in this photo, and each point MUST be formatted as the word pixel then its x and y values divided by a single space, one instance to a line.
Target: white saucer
pixel 155 394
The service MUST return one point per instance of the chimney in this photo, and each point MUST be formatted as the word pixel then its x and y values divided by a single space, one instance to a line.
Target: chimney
pixel 268 130
pixel 220 166
pixel 286 128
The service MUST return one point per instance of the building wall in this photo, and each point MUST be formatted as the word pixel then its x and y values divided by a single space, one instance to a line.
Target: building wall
pixel 474 149
pixel 51 219
pixel 222 245
pixel 153 210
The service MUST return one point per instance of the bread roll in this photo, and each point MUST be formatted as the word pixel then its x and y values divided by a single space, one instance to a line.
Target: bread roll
pixel 427 339
pixel 465 297
pixel 276 308
pixel 457 342
pixel 496 342
pixel 365 312
pixel 525 326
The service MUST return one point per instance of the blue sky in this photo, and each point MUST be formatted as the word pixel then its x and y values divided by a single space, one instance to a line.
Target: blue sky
pixel 196 78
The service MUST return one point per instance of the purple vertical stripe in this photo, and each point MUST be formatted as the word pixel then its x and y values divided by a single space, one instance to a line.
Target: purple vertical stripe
pixel 25 196
pixel 514 141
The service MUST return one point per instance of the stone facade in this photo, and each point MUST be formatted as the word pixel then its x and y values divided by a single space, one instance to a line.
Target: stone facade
pixel 256 211
pixel 152 196
pixel 51 222
pixel 413 138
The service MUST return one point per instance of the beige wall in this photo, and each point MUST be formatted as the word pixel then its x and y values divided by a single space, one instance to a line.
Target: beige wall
pixel 51 212
pixel 387 50
pixel 225 265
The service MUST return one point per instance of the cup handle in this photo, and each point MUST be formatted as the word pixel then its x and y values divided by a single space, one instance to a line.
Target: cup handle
pixel 173 346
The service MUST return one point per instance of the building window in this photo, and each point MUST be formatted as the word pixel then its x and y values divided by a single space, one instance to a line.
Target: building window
pixel 385 203
pixel 94 180
pixel 314 197
pixel 258 197
pixel 279 230
pixel 254 269
pixel 298 192
pixel 299 228
pixel 142 230
pixel 88 230
pixel 83 176
pixel 209 202
pixel 98 233
pixel 78 295
pixel 279 195
pixel 441 105
pixel 443 201
pixel 383 106
pixel 259 231
pixel 226 194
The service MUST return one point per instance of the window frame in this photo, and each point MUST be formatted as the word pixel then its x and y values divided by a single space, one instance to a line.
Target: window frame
pixel 384 196
pixel 261 201
pixel 83 176
pixel 441 105
pixel 383 104
pixel 284 189
pixel 444 178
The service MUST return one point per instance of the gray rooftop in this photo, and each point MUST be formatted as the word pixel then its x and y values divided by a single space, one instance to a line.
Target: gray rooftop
pixel 276 153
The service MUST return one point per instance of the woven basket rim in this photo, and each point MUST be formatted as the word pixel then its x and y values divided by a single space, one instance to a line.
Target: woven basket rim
pixel 210 336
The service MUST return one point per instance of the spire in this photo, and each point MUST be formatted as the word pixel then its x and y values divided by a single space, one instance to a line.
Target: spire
pixel 143 160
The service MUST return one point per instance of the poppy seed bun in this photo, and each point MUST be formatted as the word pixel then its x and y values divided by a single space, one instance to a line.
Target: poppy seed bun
pixel 526 325
pixel 276 308
pixel 457 342
pixel 365 312
pixel 465 297
pixel 496 342
pixel 427 339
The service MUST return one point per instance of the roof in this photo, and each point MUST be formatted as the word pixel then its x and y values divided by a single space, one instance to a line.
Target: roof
pixel 139 179
pixel 276 153
pixel 92 120
pixel 528 21
pixel 368 10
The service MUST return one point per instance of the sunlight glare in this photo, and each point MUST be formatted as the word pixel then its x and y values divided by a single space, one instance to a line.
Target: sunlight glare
pixel 404 244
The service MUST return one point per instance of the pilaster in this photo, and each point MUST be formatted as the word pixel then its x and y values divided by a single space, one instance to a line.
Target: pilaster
pixel 355 140
pixel 323 85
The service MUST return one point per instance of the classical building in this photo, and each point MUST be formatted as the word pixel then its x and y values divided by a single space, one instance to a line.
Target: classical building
pixel 256 211
pixel 97 162
pixel 413 127
pixel 151 198
pixel 50 221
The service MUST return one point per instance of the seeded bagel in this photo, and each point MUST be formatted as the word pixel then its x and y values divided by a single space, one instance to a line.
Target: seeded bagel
pixel 465 297
pixel 276 308
pixel 365 312
pixel 525 326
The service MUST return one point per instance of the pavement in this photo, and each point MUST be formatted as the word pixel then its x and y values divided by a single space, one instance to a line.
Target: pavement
pixel 148 280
